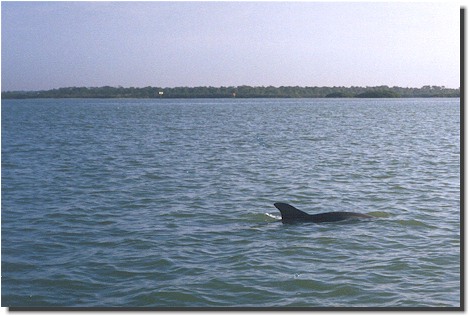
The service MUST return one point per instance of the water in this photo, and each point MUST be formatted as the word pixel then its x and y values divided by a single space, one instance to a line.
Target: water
pixel 169 203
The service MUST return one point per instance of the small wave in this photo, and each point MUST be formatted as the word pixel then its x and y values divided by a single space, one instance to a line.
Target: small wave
pixel 273 216
pixel 379 214
pixel 314 139
pixel 412 223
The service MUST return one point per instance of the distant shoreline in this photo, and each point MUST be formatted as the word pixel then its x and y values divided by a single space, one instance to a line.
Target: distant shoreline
pixel 242 92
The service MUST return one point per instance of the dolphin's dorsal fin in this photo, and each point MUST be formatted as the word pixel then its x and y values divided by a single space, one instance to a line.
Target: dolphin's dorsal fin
pixel 290 213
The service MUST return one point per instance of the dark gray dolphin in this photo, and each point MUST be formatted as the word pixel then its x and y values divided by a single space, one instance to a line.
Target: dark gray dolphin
pixel 291 214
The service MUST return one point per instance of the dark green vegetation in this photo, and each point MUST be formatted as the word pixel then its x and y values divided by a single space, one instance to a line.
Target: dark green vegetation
pixel 238 92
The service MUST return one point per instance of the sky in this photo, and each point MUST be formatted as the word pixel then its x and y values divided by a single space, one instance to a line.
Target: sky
pixel 46 45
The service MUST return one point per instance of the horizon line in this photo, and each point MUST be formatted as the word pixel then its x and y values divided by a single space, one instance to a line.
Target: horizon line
pixel 232 86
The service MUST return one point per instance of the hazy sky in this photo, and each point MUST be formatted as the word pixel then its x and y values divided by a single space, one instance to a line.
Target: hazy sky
pixel 60 44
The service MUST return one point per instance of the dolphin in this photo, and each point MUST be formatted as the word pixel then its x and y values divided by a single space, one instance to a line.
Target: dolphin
pixel 291 214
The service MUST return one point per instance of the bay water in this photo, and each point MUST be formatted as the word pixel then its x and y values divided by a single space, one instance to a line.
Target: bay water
pixel 169 203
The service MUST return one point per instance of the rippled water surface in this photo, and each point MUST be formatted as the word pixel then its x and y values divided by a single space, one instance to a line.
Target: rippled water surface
pixel 169 203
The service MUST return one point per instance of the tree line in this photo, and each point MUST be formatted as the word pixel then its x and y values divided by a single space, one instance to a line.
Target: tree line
pixel 238 92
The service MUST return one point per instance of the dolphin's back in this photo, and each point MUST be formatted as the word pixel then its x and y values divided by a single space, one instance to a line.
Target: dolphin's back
pixel 291 214
pixel 337 216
